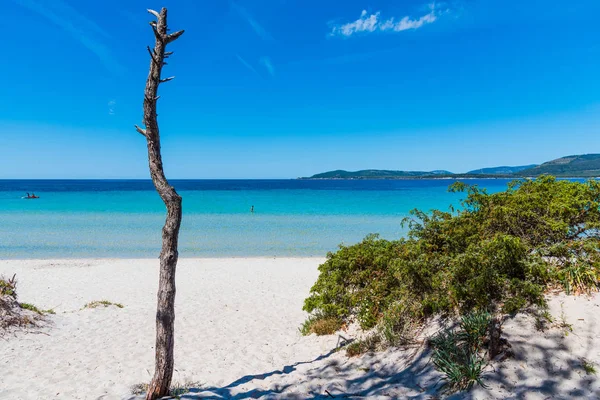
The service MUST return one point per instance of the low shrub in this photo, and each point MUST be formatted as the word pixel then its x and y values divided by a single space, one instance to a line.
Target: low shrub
pixel 499 252
pixel 399 323
pixel 355 280
pixel 576 264
pixel 321 326
pixel 12 313
pixel 543 319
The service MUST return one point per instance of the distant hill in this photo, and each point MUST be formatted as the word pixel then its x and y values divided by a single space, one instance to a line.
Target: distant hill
pixel 501 170
pixel 586 165
pixel 578 166
pixel 376 174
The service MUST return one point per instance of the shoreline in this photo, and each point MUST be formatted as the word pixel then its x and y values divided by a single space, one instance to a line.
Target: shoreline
pixel 416 177
pixel 443 177
pixel 76 259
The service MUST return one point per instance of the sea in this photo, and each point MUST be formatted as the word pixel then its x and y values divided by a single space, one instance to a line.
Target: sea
pixel 291 218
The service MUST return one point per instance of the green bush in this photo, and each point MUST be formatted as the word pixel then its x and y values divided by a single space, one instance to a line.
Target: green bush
pixel 498 252
pixel 399 323
pixel 356 280
pixel 321 326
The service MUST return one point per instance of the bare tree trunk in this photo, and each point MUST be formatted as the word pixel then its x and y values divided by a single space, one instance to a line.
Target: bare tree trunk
pixel 165 312
pixel 495 345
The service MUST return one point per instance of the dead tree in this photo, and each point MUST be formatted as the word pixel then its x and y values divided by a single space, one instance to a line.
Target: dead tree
pixel 165 312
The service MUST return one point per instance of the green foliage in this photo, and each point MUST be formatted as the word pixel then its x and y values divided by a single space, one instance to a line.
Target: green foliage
pixel 577 264
pixel 31 307
pixel 585 165
pixel 355 280
pixel 474 326
pixel 562 323
pixel 11 311
pixel 499 251
pixel 102 303
pixel 398 323
pixel 376 174
pixel 458 353
pixel 306 328
pixel 543 319
pixel 177 389
pixel 321 326
pixel 8 286
pixel 355 348
pixel 359 347
pixel 139 389
pixel 588 366
pixel 180 388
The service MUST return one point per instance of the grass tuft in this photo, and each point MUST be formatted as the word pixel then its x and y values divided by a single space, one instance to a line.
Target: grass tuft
pixel 139 389
pixel 102 303
pixel 458 353
pixel 563 323
pixel 355 348
pixel 358 347
pixel 399 323
pixel 588 366
pixel 321 326
pixel 542 319
pixel 177 388
pixel 31 307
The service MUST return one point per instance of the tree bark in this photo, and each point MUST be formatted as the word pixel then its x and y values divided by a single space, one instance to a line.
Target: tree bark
pixel 495 329
pixel 165 312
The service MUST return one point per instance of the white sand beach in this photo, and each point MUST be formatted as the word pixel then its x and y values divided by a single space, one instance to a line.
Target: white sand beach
pixel 237 335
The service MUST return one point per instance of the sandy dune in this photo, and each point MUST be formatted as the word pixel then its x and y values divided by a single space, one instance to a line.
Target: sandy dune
pixel 237 334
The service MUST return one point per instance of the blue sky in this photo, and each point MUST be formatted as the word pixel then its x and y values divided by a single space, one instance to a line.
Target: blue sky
pixel 287 88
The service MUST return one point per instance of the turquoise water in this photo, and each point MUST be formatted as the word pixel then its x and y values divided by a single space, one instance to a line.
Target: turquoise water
pixel 106 219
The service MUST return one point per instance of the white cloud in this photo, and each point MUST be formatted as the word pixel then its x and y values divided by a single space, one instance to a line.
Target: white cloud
pixel 111 107
pixel 371 23
pixel 266 62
